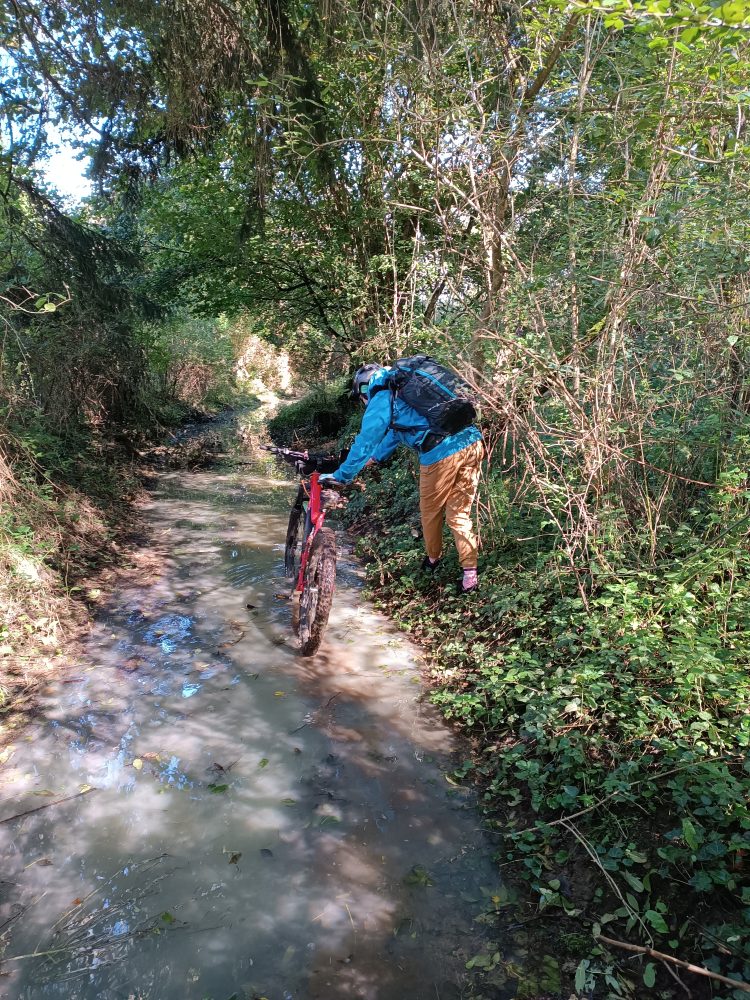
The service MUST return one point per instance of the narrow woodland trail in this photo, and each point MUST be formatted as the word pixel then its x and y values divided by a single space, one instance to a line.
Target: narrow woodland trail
pixel 258 824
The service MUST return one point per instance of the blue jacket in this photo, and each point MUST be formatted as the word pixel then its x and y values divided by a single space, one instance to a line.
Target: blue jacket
pixel 378 440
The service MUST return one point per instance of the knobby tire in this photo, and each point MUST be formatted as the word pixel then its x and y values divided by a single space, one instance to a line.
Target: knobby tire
pixel 317 593
pixel 293 537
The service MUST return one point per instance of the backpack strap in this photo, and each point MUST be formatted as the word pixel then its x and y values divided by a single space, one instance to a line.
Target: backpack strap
pixel 376 389
pixel 390 384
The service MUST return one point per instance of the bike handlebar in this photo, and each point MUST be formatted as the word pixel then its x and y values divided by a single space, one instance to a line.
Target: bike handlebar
pixel 304 462
pixel 285 452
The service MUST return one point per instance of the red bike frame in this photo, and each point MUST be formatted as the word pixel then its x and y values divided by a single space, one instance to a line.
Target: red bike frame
pixel 317 515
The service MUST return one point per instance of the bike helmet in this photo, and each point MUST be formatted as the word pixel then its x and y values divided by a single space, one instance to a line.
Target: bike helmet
pixel 362 380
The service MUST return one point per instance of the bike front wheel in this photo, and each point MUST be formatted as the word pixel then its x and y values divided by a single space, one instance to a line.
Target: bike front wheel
pixel 317 591
pixel 294 531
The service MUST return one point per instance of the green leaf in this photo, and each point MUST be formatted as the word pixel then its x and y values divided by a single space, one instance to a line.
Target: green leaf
pixel 167 917
pixel 702 882
pixel 581 974
pixel 649 975
pixel 657 921
pixel 735 12
pixel 217 789
pixel 690 835
pixel 633 881
pixel 263 762
pixel 637 856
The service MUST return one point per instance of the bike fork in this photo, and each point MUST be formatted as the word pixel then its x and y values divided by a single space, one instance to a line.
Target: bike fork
pixel 313 521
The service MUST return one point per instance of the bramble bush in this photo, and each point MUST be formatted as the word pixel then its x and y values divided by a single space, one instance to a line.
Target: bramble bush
pixel 613 714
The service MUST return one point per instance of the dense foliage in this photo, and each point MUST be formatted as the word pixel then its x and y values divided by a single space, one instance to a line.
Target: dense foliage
pixel 552 197
pixel 611 724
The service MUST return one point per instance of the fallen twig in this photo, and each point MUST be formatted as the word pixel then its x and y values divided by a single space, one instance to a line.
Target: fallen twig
pixel 698 970
pixel 313 716
pixel 47 805
pixel 303 726
pixel 23 910
pixel 589 848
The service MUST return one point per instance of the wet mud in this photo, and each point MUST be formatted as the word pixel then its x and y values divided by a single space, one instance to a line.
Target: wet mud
pixel 239 821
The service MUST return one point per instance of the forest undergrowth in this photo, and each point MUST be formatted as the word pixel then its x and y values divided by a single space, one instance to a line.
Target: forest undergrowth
pixel 610 715
pixel 68 530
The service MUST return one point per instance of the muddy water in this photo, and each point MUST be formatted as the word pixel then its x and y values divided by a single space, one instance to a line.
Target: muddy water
pixel 258 825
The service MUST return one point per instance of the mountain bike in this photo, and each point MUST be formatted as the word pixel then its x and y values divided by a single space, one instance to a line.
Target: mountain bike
pixel 310 547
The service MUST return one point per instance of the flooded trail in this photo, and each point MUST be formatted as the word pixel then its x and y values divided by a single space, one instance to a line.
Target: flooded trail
pixel 259 825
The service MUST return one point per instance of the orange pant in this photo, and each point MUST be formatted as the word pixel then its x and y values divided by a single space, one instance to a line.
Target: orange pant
pixel 449 487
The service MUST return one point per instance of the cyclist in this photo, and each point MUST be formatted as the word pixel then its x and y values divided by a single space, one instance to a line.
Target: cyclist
pixel 449 467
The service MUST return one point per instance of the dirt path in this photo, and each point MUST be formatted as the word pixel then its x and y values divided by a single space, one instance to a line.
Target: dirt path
pixel 258 825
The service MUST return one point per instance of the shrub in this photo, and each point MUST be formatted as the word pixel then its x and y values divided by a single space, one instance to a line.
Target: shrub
pixel 321 415
pixel 611 712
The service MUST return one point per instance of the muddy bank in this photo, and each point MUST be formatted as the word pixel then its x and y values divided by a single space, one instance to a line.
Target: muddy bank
pixel 93 546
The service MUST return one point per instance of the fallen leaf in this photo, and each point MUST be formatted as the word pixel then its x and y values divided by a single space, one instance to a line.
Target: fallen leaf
pixel 217 789
pixel 234 858
pixel 263 762
pixel 76 902
pixel 138 763
pixel 418 876
pixel 289 802
pixel 7 754
pixel 44 791
pixel 167 917
pixel 279 694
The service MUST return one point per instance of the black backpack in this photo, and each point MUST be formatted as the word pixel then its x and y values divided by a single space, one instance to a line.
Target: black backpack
pixel 434 391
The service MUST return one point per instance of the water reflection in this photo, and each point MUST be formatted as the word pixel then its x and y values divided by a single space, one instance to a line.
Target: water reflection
pixel 261 825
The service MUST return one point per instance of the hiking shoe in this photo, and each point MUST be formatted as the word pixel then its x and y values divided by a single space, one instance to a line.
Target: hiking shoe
pixel 429 567
pixel 461 590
